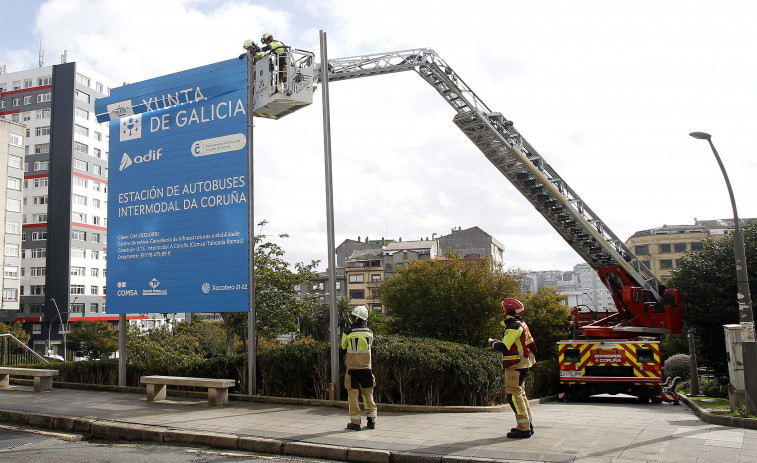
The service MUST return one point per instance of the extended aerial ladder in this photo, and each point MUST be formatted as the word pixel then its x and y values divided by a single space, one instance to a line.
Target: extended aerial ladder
pixel 645 307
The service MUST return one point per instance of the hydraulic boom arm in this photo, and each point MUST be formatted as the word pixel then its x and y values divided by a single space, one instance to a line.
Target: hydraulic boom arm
pixel 517 160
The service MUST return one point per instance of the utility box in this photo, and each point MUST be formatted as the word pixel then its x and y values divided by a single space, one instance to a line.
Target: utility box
pixel 283 83
pixel 737 387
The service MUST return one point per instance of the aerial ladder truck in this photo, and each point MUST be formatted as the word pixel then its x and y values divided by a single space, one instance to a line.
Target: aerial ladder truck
pixel 618 352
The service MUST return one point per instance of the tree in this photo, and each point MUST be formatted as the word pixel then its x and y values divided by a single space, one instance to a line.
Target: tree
pixel 17 330
pixel 210 334
pixel 453 299
pixel 707 281
pixel 161 350
pixel 278 305
pixel 92 339
pixel 547 318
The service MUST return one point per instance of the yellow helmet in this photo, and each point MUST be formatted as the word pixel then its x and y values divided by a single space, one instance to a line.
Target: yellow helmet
pixel 247 43
pixel 265 37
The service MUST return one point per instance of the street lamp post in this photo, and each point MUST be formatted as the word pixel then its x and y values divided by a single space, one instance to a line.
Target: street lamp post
pixel 60 319
pixel 743 295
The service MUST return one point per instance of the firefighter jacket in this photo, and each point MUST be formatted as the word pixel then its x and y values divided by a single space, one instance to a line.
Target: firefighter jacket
pixel 517 345
pixel 275 47
pixel 357 340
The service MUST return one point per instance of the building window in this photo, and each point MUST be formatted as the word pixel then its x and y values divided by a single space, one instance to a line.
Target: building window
pixel 78 253
pixel 93 307
pixel 79 181
pixel 12 227
pixel 16 140
pixel 81 148
pixel 13 205
pixel 98 137
pixel 82 113
pixel 95 272
pixel 81 130
pixel 679 247
pixel 37 271
pixel 77 289
pixel 10 271
pixel 79 164
pixel 42 165
pixel 696 246
pixel 43 114
pixel 36 328
pixel 357 294
pixel 28 100
pixel 39 218
pixel 14 183
pixel 94 290
pixel 357 278
pixel 36 308
pixel 11 249
pixel 95 237
pixel 79 306
pixel 80 217
pixel 41 200
pixel 375 278
pixel 666 264
pixel 84 80
pixel 47 80
pixel 40 182
pixel 38 253
pixel 664 248
pixel 79 235
pixel 80 200
pixel 39 235
pixel 641 250
pixel 15 161
pixel 81 96
pixel 43 97
pixel 37 290
pixel 10 294
pixel 389 268
pixel 17 102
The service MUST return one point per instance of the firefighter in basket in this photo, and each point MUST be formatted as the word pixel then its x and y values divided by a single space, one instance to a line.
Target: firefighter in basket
pixel 517 347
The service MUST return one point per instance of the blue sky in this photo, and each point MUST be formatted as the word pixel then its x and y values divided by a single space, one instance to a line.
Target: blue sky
pixel 606 92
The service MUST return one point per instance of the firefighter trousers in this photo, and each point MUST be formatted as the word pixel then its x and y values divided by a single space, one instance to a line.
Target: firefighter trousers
pixel 359 382
pixel 515 388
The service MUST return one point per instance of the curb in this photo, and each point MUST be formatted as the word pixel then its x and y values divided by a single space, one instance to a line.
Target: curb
pixel 722 420
pixel 121 431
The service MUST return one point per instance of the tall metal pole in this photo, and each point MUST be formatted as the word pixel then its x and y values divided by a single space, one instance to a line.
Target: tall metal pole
pixel 333 315
pixel 122 349
pixel 252 348
pixel 743 295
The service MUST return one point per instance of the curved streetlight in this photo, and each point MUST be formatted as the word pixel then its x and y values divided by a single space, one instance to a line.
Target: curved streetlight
pixel 743 295
pixel 60 318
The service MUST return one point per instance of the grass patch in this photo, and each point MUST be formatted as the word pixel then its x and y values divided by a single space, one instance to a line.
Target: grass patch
pixel 718 406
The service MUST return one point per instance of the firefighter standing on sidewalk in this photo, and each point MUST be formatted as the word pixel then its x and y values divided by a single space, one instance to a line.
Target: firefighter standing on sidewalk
pixel 359 379
pixel 517 347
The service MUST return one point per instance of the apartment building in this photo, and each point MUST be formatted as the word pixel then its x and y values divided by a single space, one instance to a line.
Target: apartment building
pixel 65 184
pixel 12 170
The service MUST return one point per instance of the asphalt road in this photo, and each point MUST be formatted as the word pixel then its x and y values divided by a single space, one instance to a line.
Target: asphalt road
pixel 19 443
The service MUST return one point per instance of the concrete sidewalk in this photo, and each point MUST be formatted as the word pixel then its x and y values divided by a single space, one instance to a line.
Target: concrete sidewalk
pixel 609 430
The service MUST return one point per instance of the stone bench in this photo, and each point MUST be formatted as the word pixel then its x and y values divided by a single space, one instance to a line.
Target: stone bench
pixel 218 389
pixel 43 379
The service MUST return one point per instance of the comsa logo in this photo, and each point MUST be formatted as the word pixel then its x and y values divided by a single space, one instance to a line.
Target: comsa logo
pixel 152 155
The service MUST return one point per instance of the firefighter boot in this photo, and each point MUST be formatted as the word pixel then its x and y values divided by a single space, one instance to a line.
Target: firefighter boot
pixel 518 434
pixel 371 423
pixel 353 426
pixel 531 425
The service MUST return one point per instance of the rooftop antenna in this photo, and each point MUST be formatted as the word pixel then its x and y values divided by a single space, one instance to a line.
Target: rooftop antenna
pixel 41 54
pixel 63 57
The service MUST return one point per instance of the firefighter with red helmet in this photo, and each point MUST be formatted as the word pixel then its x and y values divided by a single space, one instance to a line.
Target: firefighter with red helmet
pixel 517 347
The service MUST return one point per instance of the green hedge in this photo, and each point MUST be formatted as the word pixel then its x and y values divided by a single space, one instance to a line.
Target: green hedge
pixel 408 371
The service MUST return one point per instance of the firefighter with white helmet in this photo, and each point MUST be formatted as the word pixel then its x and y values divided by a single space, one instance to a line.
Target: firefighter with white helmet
pixel 277 48
pixel 253 48
pixel 517 347
pixel 359 379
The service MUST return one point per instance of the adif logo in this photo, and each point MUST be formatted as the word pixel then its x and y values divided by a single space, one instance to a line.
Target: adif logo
pixel 125 162
pixel 154 283
pixel 131 127
pixel 152 155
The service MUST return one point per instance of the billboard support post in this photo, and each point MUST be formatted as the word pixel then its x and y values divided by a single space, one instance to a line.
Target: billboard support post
pixel 252 347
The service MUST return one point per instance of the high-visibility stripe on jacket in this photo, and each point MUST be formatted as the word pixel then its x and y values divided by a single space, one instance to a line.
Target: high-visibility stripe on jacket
pixel 357 340
pixel 517 345
pixel 275 47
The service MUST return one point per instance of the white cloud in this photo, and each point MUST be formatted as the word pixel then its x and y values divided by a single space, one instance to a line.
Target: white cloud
pixel 606 92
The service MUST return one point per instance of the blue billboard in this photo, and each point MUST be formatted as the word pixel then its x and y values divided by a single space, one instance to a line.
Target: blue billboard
pixel 178 199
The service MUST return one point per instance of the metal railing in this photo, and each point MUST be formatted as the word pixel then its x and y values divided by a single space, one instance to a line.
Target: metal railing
pixel 15 352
